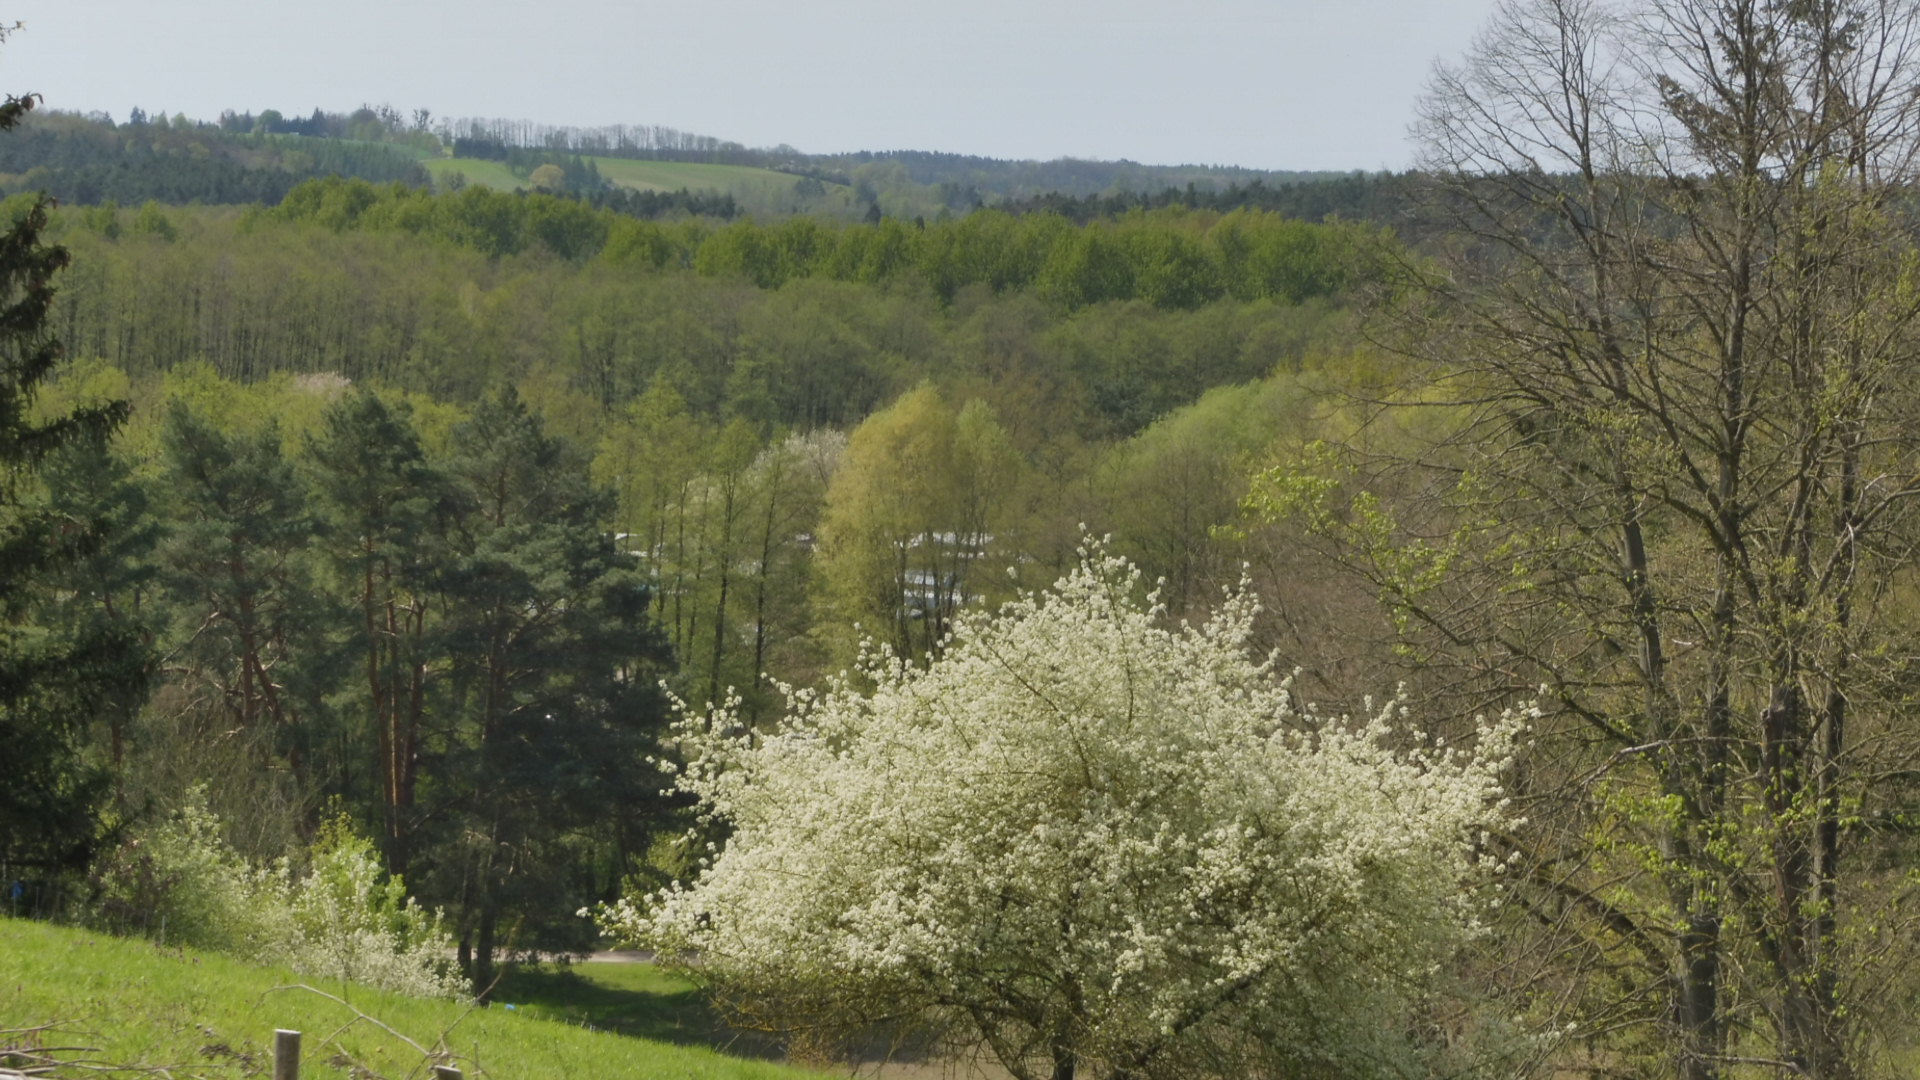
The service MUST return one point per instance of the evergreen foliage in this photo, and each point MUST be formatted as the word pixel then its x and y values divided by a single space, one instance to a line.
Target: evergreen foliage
pixel 550 672
pixel 56 675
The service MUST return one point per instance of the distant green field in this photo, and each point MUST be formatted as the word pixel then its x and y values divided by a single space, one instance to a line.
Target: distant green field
pixel 200 1015
pixel 674 175
pixel 758 191
pixel 640 175
pixel 485 173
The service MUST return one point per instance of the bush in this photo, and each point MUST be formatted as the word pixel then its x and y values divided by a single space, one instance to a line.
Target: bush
pixel 181 883
pixel 353 921
pixel 1081 840
pixel 344 918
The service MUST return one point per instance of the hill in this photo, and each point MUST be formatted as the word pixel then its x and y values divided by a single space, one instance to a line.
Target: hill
pixel 643 172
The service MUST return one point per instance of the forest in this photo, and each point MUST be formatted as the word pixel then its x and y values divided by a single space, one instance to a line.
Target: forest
pixel 1454 623
pixel 374 427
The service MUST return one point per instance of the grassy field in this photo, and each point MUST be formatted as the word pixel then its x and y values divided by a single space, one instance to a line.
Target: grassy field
pixel 491 174
pixel 758 191
pixel 200 1015
pixel 629 999
pixel 674 175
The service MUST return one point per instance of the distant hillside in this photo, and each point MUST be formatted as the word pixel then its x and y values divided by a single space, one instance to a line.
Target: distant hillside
pixel 904 183
pixel 642 171
pixel 745 189
pixel 1066 176
pixel 90 160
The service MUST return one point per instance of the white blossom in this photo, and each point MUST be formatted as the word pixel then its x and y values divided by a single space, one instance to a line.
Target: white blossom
pixel 1081 838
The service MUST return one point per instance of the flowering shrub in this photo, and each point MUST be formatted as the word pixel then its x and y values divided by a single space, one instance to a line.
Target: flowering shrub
pixel 345 918
pixel 1082 840
pixel 181 883
pixel 353 921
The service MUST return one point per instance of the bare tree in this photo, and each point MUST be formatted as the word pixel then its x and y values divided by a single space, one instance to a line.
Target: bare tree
pixel 1678 309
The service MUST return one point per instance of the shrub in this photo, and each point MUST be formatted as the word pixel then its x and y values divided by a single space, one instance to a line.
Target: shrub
pixel 182 883
pixel 345 918
pixel 351 920
pixel 1084 841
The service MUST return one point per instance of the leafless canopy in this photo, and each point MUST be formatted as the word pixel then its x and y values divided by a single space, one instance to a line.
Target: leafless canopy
pixel 1680 306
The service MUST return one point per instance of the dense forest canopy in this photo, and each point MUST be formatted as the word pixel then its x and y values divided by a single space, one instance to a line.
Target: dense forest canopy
pixel 800 324
pixel 700 424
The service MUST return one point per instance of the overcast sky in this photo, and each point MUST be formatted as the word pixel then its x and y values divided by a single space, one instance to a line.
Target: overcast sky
pixel 1276 84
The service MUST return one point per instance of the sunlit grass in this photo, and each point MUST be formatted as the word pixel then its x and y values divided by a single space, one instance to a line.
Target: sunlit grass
pixel 201 1015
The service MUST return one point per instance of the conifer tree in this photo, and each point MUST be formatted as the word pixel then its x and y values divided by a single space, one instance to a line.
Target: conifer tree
pixel 380 498
pixel 550 699
pixel 55 675
pixel 246 607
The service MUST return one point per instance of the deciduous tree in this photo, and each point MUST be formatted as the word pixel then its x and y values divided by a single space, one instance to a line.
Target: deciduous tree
pixel 1086 844
pixel 1680 300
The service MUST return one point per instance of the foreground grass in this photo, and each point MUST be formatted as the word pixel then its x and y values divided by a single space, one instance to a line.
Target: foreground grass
pixel 201 1015
pixel 631 999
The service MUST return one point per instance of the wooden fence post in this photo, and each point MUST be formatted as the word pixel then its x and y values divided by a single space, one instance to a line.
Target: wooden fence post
pixel 446 1072
pixel 286 1055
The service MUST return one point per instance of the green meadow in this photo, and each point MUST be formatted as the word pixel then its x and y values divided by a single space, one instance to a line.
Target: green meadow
pixel 491 174
pixel 757 190
pixel 130 1002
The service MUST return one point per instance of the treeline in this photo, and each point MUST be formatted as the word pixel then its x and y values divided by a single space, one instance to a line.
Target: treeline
pixel 368 123
pixel 1168 259
pixel 655 205
pixel 495 139
pixel 795 324
pixel 999 179
pixel 88 161
pixel 1383 198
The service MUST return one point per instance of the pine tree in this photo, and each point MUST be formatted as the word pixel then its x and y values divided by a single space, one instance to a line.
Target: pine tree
pixel 55 675
pixel 246 607
pixel 380 498
pixel 553 661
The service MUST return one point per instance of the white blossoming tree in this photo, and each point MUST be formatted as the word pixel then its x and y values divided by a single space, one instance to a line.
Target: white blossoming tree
pixel 1089 845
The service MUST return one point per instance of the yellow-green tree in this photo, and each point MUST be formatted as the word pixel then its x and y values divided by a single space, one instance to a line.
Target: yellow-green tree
pixel 912 514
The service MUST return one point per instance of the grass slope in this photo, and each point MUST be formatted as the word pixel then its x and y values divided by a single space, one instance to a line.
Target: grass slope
pixel 694 176
pixel 491 174
pixel 200 1015
pixel 758 191
pixel 631 999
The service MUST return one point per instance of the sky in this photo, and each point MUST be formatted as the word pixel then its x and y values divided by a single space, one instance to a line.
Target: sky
pixel 1270 84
